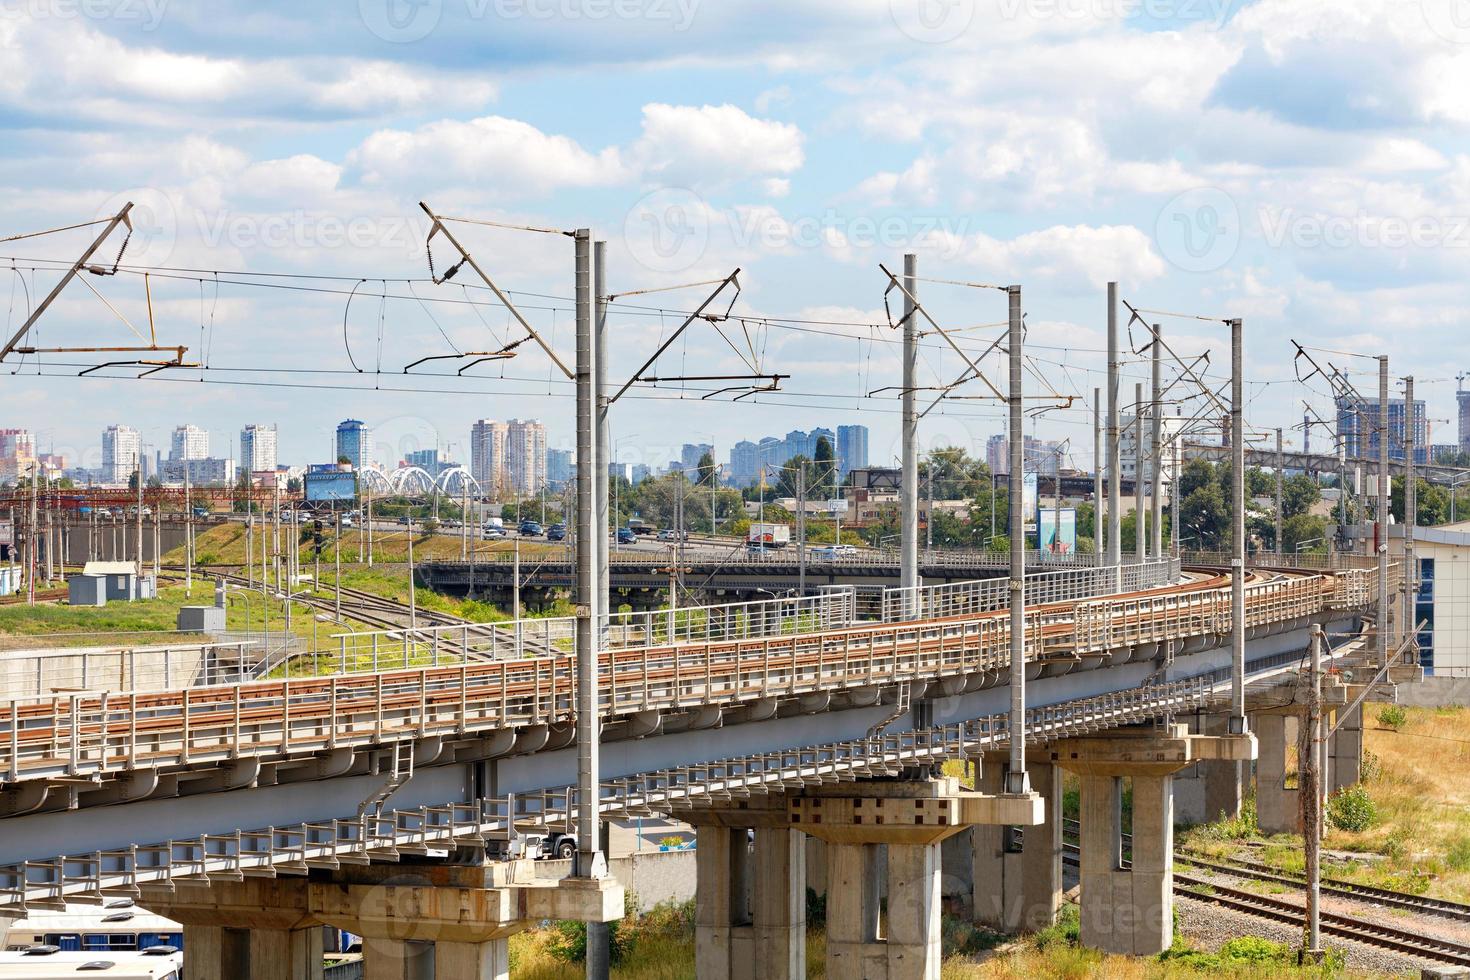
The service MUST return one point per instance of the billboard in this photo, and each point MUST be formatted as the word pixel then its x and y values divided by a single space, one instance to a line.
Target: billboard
pixel 1029 494
pixel 1058 542
pixel 333 486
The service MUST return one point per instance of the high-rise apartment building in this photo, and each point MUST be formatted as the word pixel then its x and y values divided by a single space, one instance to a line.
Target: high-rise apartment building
pixel 1357 428
pixel 487 455
pixel 1462 400
pixel 120 453
pixel 17 454
pixel 189 442
pixel 525 455
pixel 508 457
pixel 1035 453
pixel 258 448
pixel 852 449
pixel 560 466
pixel 354 443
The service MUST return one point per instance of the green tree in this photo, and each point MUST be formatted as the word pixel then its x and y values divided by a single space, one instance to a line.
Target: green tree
pixel 704 473
pixel 1300 528
pixel 1298 494
pixel 824 469
pixel 293 485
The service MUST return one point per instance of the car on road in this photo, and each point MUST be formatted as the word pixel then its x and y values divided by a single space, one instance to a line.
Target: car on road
pixel 491 532
pixel 826 552
pixel 531 528
pixel 346 520
pixel 556 532
pixel 403 520
pixel 626 536
pixel 669 534
pixel 758 549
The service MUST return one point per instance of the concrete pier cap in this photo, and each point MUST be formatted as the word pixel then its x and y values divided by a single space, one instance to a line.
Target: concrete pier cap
pixel 905 811
pixel 1149 751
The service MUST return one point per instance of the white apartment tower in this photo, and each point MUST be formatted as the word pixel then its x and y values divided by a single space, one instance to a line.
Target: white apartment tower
pixel 189 442
pixel 258 448
pixel 508 456
pixel 120 448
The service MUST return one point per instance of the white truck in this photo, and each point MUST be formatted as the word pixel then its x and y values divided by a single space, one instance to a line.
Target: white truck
pixel 769 535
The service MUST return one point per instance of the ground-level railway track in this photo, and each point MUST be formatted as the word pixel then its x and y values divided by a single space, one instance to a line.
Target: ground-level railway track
pixel 1331 887
pixel 1391 938
pixel 70 734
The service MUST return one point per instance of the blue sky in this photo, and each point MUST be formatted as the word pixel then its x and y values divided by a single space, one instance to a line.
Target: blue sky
pixel 1298 163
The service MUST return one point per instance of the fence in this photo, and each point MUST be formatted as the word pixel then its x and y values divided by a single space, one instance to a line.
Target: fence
pixel 37 672
pixel 993 594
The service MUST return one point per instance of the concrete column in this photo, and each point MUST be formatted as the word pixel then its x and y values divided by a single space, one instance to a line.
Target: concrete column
pixel 912 936
pixel 722 934
pixel 853 941
pixel 473 961
pixel 1277 811
pixel 1127 911
pixel 1345 749
pixel 1210 790
pixel 223 953
pixel 1019 889
pixel 778 912
pixel 401 959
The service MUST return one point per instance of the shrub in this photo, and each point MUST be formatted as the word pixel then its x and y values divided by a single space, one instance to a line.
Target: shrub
pixel 1392 716
pixel 1253 949
pixel 816 909
pixel 1370 768
pixel 1352 809
pixel 672 841
pixel 1066 931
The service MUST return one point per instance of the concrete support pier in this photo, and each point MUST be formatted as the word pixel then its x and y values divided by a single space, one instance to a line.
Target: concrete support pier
pixel 1278 810
pixel 446 921
pixel 1208 791
pixel 903 823
pixel 1017 877
pixel 1128 907
pixel 1345 751
pixel 750 899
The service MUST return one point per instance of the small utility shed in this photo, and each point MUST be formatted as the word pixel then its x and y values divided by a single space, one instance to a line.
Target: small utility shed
pixel 102 581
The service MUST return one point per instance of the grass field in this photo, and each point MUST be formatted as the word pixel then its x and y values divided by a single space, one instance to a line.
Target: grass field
pixel 147 622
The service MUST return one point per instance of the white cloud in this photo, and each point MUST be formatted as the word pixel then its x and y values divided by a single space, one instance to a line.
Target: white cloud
pixel 510 155
pixel 699 146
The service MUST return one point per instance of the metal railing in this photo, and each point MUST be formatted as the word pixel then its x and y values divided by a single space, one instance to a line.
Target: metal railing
pixel 993 594
pixel 26 673
pixel 497 824
pixel 84 735
pixel 790 555
pixel 375 650
pixel 1269 559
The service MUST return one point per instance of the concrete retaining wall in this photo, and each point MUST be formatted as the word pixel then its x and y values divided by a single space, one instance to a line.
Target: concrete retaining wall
pixel 654 877
pixel 1435 692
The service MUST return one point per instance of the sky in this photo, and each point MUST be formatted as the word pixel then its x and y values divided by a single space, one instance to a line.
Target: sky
pixel 1299 164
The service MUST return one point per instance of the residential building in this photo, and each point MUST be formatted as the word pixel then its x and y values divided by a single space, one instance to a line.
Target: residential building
pixel 1035 452
pixel 640 472
pixel 427 460
pixel 1462 400
pixel 258 448
pixel 121 451
pixel 852 448
pixel 201 472
pixel 525 455
pixel 620 471
pixel 692 453
pixel 487 454
pixel 53 465
pixel 354 441
pixel 1357 428
pixel 17 454
pixel 745 462
pixel 1127 448
pixel 189 442
pixel 560 467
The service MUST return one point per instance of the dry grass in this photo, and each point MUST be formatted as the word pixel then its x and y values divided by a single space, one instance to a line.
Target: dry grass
pixel 1421 789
